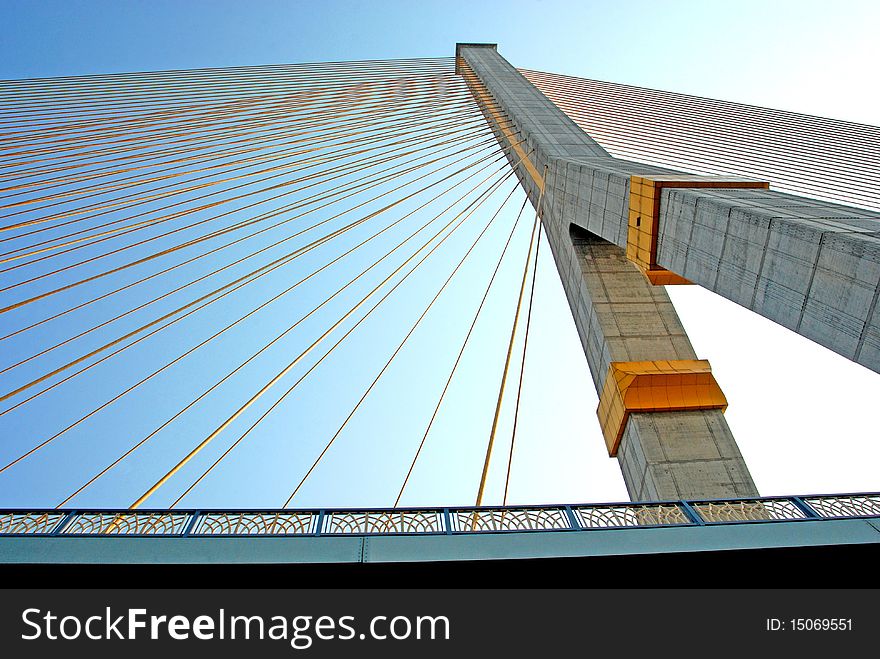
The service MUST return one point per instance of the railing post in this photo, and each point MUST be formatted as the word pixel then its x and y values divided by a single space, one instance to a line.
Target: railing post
pixel 319 524
pixel 64 520
pixel 805 508
pixel 191 523
pixel 572 519
pixel 447 521
pixel 691 513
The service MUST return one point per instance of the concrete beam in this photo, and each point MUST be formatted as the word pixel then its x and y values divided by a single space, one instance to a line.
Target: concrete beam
pixel 809 265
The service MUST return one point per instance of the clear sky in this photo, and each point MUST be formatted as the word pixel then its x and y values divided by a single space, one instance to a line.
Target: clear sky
pixel 804 418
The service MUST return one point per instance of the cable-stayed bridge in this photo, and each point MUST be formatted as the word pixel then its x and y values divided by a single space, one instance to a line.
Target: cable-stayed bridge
pixel 256 285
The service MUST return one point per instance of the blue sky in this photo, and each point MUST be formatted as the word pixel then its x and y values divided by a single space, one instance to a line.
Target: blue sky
pixel 813 57
pixel 793 53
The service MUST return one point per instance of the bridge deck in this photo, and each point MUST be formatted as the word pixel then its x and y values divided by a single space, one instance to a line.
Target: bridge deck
pixel 435 534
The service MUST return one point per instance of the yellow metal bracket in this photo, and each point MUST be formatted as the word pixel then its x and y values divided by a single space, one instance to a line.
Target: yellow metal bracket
pixel 644 217
pixel 654 386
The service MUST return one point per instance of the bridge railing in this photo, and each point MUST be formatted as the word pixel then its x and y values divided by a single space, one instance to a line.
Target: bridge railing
pixel 451 520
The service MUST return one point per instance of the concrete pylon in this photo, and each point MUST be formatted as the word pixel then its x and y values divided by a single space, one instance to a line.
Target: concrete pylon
pixel 660 407
pixel 812 266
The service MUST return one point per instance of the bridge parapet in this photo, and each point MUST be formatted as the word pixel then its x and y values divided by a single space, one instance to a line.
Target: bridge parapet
pixel 446 521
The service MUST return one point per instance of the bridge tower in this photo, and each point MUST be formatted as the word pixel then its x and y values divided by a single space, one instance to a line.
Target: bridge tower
pixel 620 231
pixel 660 408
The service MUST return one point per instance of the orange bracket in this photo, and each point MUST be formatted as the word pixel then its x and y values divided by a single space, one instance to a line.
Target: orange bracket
pixel 644 217
pixel 654 386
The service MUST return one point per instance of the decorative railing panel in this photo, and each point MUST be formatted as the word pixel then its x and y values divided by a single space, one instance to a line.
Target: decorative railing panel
pixel 126 523
pixel 749 511
pixel 598 517
pixel 24 523
pixel 385 521
pixel 253 523
pixel 867 505
pixel 510 519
